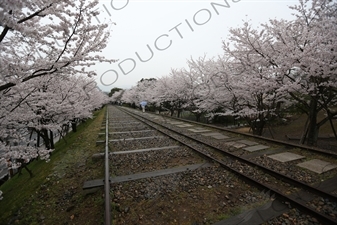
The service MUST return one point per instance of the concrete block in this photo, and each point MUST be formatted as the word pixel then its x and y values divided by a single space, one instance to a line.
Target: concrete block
pixel 286 157
pixel 247 142
pixel 317 166
pixel 256 148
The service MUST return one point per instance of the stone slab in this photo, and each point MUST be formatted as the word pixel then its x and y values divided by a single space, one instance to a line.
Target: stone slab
pixel 286 157
pixel 93 184
pixel 161 119
pixel 211 134
pixel 123 123
pixel 145 150
pixel 256 148
pixel 129 132
pixel 235 144
pixel 138 176
pixel 248 142
pixel 119 117
pixel 317 166
pixel 157 173
pixel 265 152
pixel 231 139
pixel 133 139
pixel 198 130
pixel 142 126
pixel 175 123
pixel 216 135
pixel 219 137
pixel 185 125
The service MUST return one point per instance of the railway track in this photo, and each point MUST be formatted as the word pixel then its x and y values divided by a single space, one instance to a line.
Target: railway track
pixel 141 175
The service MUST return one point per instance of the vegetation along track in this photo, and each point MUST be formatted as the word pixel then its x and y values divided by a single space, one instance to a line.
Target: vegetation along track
pixel 157 179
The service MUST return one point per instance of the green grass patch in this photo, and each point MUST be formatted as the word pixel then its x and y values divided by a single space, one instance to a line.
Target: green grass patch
pixel 23 195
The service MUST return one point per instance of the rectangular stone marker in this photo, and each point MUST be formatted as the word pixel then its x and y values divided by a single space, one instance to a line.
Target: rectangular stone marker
pixel 93 184
pixel 198 130
pixel 175 123
pixel 133 139
pixel 185 125
pixel 158 173
pixel 219 137
pixel 317 165
pixel 145 150
pixel 235 144
pixel 129 132
pixel 137 176
pixel 123 123
pixel 286 157
pixel 211 134
pixel 247 142
pixel 255 148
pixel 142 126
pixel 100 142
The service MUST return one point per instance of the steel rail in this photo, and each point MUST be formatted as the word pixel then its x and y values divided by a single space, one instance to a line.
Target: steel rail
pixel 318 215
pixel 107 211
pixel 304 147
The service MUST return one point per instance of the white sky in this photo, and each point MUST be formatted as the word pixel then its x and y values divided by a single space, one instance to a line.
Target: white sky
pixel 139 23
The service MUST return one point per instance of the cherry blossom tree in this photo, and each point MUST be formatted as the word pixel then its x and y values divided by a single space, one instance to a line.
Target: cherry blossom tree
pixel 141 92
pixel 209 83
pixel 226 88
pixel 43 106
pixel 40 38
pixel 117 96
pixel 130 96
pixel 300 56
pixel 172 92
pixel 46 50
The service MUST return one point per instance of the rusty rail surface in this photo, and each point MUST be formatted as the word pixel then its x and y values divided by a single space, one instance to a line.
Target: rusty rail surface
pixel 107 212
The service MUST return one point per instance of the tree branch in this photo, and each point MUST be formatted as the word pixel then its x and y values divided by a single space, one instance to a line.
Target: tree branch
pixel 6 29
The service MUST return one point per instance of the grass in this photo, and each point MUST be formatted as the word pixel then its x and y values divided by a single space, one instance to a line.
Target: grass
pixel 35 200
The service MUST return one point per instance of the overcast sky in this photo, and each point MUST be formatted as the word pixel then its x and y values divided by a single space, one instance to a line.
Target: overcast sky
pixel 174 31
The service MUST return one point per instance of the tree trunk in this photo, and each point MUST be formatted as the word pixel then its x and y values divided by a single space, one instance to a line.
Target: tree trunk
pixel 305 132
pixel 172 111
pixel 73 126
pixel 312 135
pixel 257 130
pixel 257 127
pixel 179 112
pixel 312 126
pixel 331 124
pixel 24 165
pixel 197 117
pixel 45 137
pixel 38 139
pixel 333 128
pixel 51 139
